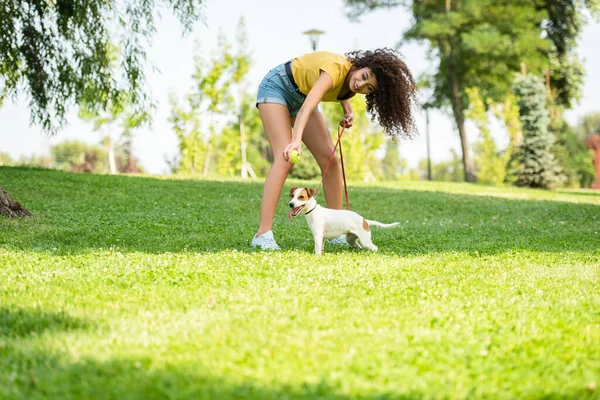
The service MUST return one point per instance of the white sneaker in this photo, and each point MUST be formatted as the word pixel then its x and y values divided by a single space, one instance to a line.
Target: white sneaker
pixel 266 241
pixel 339 240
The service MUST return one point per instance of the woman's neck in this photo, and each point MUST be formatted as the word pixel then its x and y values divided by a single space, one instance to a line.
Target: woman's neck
pixel 345 92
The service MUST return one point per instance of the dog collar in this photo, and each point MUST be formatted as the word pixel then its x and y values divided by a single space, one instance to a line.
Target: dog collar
pixel 308 212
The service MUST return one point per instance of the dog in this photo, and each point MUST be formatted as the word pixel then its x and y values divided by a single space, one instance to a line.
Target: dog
pixel 326 223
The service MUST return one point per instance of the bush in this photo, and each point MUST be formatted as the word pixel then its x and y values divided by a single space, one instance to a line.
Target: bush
pixel 534 163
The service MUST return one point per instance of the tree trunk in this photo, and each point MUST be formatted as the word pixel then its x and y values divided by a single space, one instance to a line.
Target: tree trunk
pixel 111 156
pixel 457 110
pixel 429 176
pixel 457 106
pixel 246 166
pixel 207 159
pixel 11 208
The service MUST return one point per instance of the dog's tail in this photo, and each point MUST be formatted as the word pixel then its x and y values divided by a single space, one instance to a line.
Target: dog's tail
pixel 375 223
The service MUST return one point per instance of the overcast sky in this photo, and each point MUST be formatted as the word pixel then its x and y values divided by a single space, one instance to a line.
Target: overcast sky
pixel 274 29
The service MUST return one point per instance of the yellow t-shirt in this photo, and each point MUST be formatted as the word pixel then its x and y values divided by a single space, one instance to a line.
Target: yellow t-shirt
pixel 307 69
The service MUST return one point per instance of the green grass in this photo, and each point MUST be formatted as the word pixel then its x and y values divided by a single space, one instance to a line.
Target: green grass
pixel 144 288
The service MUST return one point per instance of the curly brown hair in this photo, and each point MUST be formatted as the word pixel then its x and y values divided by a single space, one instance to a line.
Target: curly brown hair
pixel 392 103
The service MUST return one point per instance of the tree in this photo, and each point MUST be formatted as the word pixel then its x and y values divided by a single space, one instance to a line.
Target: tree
pixel 589 124
pixel 121 118
pixel 572 154
pixel 6 159
pixel 194 121
pixel 490 163
pixel 240 140
pixel 478 44
pixel 508 113
pixel 564 21
pixel 481 43
pixel 231 158
pixel 58 52
pixel 11 208
pixel 391 165
pixel 450 170
pixel 536 166
pixel 241 65
pixel 77 156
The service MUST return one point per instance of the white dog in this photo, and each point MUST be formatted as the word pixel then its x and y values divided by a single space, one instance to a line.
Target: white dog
pixel 326 223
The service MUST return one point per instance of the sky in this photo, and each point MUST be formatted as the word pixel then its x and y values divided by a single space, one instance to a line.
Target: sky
pixel 274 29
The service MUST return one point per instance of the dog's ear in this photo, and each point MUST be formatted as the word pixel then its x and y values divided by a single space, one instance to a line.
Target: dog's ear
pixel 292 190
pixel 311 192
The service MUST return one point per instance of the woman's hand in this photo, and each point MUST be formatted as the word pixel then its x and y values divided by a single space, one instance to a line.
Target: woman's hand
pixel 294 145
pixel 347 120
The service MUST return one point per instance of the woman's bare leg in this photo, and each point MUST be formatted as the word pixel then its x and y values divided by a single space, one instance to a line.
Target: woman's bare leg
pixel 317 138
pixel 277 123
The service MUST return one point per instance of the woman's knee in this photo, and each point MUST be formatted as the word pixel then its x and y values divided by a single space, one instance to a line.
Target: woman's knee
pixel 282 165
pixel 324 160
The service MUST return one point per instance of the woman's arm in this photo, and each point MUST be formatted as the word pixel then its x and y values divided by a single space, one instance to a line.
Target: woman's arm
pixel 348 114
pixel 316 93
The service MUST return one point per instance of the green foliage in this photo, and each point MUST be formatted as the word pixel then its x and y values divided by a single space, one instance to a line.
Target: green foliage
pixel 536 166
pixel 242 139
pixel 6 160
pixel 392 166
pixel 482 43
pixel 356 8
pixel 449 170
pixel 203 147
pixel 121 120
pixel 229 143
pixel 486 40
pixel 360 142
pixel 32 160
pixel 562 25
pixel 589 124
pixel 61 53
pixel 573 156
pixel 76 155
pixel 490 163
pixel 479 44
pixel 566 78
pixel 194 121
pixel 508 113
pixel 186 125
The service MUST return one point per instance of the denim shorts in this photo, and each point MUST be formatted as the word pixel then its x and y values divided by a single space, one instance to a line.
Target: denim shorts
pixel 277 88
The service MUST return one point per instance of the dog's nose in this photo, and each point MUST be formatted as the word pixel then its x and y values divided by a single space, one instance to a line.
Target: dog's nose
pixel 291 204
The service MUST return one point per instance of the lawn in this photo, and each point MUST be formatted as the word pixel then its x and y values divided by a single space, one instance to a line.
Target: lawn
pixel 145 288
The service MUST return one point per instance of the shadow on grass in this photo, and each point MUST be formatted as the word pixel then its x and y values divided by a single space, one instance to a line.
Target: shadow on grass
pixel 28 372
pixel 22 323
pixel 53 378
pixel 76 213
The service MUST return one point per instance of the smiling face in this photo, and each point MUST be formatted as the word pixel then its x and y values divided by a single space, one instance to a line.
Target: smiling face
pixel 363 81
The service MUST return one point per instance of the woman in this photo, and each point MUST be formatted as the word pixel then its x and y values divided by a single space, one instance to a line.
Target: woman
pixel 288 97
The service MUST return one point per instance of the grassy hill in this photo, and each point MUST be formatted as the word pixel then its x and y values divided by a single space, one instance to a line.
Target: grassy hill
pixel 145 288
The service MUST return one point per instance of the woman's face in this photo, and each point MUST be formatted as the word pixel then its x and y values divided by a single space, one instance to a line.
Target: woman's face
pixel 363 81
